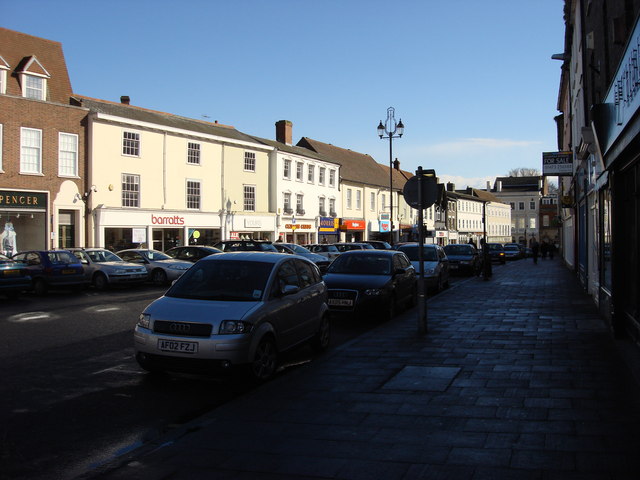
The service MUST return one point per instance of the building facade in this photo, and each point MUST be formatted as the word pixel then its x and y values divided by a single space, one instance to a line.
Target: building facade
pixel 599 125
pixel 160 180
pixel 42 145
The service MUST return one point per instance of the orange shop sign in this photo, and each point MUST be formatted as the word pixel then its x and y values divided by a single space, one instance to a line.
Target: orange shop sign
pixel 297 226
pixel 352 225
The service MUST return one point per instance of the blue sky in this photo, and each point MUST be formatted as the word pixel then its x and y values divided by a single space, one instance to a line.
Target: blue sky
pixel 472 80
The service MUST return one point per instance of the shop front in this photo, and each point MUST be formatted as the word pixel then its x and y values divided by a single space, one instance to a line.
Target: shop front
pixel 121 229
pixel 328 230
pixel 23 221
pixel 614 175
pixel 249 227
pixel 301 233
pixel 353 230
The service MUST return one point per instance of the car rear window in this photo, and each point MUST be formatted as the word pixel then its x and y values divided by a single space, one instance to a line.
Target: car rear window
pixel 412 251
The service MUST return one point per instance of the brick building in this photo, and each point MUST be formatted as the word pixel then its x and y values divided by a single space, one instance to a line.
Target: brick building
pixel 42 139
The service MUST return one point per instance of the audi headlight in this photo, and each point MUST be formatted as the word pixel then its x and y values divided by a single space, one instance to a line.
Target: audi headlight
pixel 234 327
pixel 373 292
pixel 144 320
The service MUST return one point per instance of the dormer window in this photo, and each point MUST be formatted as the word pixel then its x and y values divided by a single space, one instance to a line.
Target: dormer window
pixel 33 79
pixel 4 68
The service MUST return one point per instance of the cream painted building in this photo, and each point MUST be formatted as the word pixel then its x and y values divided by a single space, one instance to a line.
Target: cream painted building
pixel 304 191
pixel 160 180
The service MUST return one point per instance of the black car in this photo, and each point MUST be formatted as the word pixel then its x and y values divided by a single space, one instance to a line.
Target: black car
pixel 192 253
pixel 245 246
pixel 463 258
pixel 496 252
pixel 379 244
pixel 372 282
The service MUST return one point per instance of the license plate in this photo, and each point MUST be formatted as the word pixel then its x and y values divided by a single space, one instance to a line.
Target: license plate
pixel 175 346
pixel 9 273
pixel 340 302
pixel 68 271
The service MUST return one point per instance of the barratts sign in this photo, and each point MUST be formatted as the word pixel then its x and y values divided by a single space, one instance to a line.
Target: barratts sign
pixel 557 163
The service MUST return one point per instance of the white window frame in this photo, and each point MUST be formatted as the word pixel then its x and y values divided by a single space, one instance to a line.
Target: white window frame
pixel 332 178
pixel 28 91
pixel 358 200
pixel 3 80
pixel 193 198
pixel 249 161
pixel 372 202
pixel 311 174
pixel 532 205
pixel 299 171
pixel 37 149
pixel 349 195
pixel 194 153
pixel 286 169
pixel 249 198
pixel 321 175
pixel 322 206
pixel 332 206
pixel 67 158
pixel 132 199
pixel 134 146
pixel 286 203
pixel 300 203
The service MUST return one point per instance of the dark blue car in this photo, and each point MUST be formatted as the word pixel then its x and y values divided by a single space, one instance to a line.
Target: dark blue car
pixel 14 277
pixel 53 268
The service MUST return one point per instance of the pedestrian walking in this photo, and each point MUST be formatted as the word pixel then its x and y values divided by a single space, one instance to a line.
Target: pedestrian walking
pixel 544 249
pixel 535 249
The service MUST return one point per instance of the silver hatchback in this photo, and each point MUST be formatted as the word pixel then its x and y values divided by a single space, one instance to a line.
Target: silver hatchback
pixel 235 309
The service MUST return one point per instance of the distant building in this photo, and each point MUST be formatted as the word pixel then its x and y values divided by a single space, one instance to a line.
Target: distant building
pixel 523 194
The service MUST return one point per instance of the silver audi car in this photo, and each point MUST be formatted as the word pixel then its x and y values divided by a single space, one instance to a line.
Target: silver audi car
pixel 235 309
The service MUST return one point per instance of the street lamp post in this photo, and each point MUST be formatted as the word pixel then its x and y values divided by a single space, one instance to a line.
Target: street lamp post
pixel 392 130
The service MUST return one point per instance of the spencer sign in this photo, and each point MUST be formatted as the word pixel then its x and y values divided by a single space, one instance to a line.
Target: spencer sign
pixel 11 199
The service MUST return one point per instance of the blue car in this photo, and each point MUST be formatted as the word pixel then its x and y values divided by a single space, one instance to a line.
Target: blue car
pixel 14 277
pixel 53 268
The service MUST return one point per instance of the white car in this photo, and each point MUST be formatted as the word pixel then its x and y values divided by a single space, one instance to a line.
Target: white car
pixel 235 309
pixel 435 264
pixel 104 268
pixel 162 269
pixel 325 249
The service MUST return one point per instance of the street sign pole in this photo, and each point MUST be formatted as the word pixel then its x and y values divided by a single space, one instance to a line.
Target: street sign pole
pixel 422 301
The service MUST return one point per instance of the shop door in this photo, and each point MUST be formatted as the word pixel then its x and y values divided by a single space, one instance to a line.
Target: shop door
pixel 66 229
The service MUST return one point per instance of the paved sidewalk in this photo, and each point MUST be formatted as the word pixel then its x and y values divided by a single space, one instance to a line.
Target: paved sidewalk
pixel 518 377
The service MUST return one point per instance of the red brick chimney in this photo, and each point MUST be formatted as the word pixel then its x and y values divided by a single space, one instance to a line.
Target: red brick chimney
pixel 284 132
pixel 125 100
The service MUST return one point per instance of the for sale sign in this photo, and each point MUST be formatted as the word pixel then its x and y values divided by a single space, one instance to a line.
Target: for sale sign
pixel 557 163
